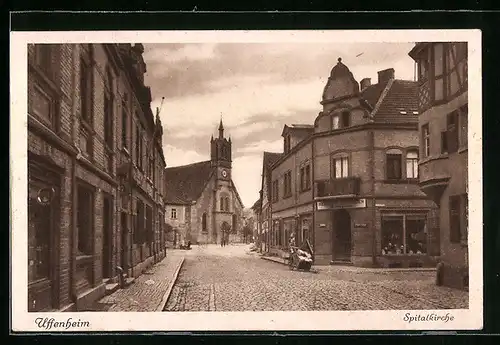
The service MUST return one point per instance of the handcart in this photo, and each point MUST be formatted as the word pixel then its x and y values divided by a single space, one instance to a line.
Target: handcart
pixel 299 259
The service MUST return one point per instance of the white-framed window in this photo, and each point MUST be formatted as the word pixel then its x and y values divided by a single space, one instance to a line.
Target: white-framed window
pixel 173 213
pixel 412 164
pixel 341 166
pixel 426 140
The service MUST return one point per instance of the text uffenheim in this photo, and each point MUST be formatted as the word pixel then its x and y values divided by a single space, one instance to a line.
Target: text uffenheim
pixel 51 323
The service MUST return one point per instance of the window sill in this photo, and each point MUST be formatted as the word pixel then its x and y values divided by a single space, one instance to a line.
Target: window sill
pixel 305 190
pixel 83 259
pixel 401 181
pixel 288 196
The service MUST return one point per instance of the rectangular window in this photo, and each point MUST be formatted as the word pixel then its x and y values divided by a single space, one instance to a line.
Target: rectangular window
pixel 173 213
pixel 412 165
pixel 124 127
pixel 108 120
pixel 287 143
pixel 426 141
pixel 454 214
pixel 308 177
pixel 404 234
pixel 335 122
pixel 346 119
pixel 305 178
pixel 394 166
pixel 341 167
pixel 86 91
pixel 452 132
pixel 137 145
pixel 287 184
pixel 444 142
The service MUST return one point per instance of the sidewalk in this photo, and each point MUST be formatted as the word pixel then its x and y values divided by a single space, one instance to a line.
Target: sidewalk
pixel 150 290
pixel 352 269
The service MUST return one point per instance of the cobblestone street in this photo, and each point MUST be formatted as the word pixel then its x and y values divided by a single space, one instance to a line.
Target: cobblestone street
pixel 233 279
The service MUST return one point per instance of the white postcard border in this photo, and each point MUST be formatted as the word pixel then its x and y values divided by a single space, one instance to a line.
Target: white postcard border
pixel 471 318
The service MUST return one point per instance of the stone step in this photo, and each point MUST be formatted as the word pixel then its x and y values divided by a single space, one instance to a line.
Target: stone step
pixel 110 288
pixel 129 281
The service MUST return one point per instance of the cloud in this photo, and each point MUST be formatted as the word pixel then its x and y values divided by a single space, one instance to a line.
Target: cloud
pixel 246 176
pixel 167 53
pixel 263 145
pixel 175 156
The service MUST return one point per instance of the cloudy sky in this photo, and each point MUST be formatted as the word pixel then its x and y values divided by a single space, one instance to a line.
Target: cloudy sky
pixel 257 88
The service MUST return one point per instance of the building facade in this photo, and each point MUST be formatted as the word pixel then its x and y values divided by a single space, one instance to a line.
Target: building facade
pixel 443 124
pixel 75 231
pixel 268 159
pixel 203 205
pixel 348 184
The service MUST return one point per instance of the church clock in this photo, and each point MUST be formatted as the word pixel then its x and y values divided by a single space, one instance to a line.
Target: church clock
pixel 224 173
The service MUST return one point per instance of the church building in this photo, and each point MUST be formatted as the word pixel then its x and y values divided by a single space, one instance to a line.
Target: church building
pixel 202 203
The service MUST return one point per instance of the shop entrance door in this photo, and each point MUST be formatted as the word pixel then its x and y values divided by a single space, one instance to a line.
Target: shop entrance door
pixel 341 235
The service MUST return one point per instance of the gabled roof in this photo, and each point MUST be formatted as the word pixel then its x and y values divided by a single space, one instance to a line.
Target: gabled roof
pixel 256 205
pixel 184 184
pixel 398 102
pixel 301 128
pixel 269 159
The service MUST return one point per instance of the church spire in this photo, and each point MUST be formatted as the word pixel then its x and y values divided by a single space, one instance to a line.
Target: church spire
pixel 221 129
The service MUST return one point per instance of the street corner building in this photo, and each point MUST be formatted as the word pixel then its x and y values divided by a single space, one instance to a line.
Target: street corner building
pixel 443 126
pixel 202 202
pixel 95 173
pixel 349 182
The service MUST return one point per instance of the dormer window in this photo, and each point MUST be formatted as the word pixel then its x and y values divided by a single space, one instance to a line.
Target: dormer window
pixel 287 143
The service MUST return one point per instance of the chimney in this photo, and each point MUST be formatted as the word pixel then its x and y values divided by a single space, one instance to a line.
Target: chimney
pixel 365 83
pixel 385 75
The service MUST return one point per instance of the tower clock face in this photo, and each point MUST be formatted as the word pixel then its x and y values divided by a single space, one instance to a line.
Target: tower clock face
pixel 224 173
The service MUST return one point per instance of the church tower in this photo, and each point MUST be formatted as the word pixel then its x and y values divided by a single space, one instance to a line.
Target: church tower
pixel 224 217
pixel 220 151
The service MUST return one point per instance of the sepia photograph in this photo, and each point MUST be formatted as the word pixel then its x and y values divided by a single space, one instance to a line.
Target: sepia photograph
pixel 323 175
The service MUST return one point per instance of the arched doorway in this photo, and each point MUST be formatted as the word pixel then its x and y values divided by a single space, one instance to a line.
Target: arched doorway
pixel 341 248
pixel 225 229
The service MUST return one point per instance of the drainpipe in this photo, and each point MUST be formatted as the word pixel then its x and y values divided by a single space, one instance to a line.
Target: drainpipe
pixel 371 134
pixel 74 201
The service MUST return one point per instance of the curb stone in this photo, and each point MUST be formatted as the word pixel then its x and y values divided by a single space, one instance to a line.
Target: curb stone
pixel 164 300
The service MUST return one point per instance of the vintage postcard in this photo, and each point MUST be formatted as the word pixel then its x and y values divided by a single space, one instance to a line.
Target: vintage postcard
pixel 246 180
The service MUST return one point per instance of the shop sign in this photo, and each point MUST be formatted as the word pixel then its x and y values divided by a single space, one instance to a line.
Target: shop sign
pixel 360 225
pixel 340 204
